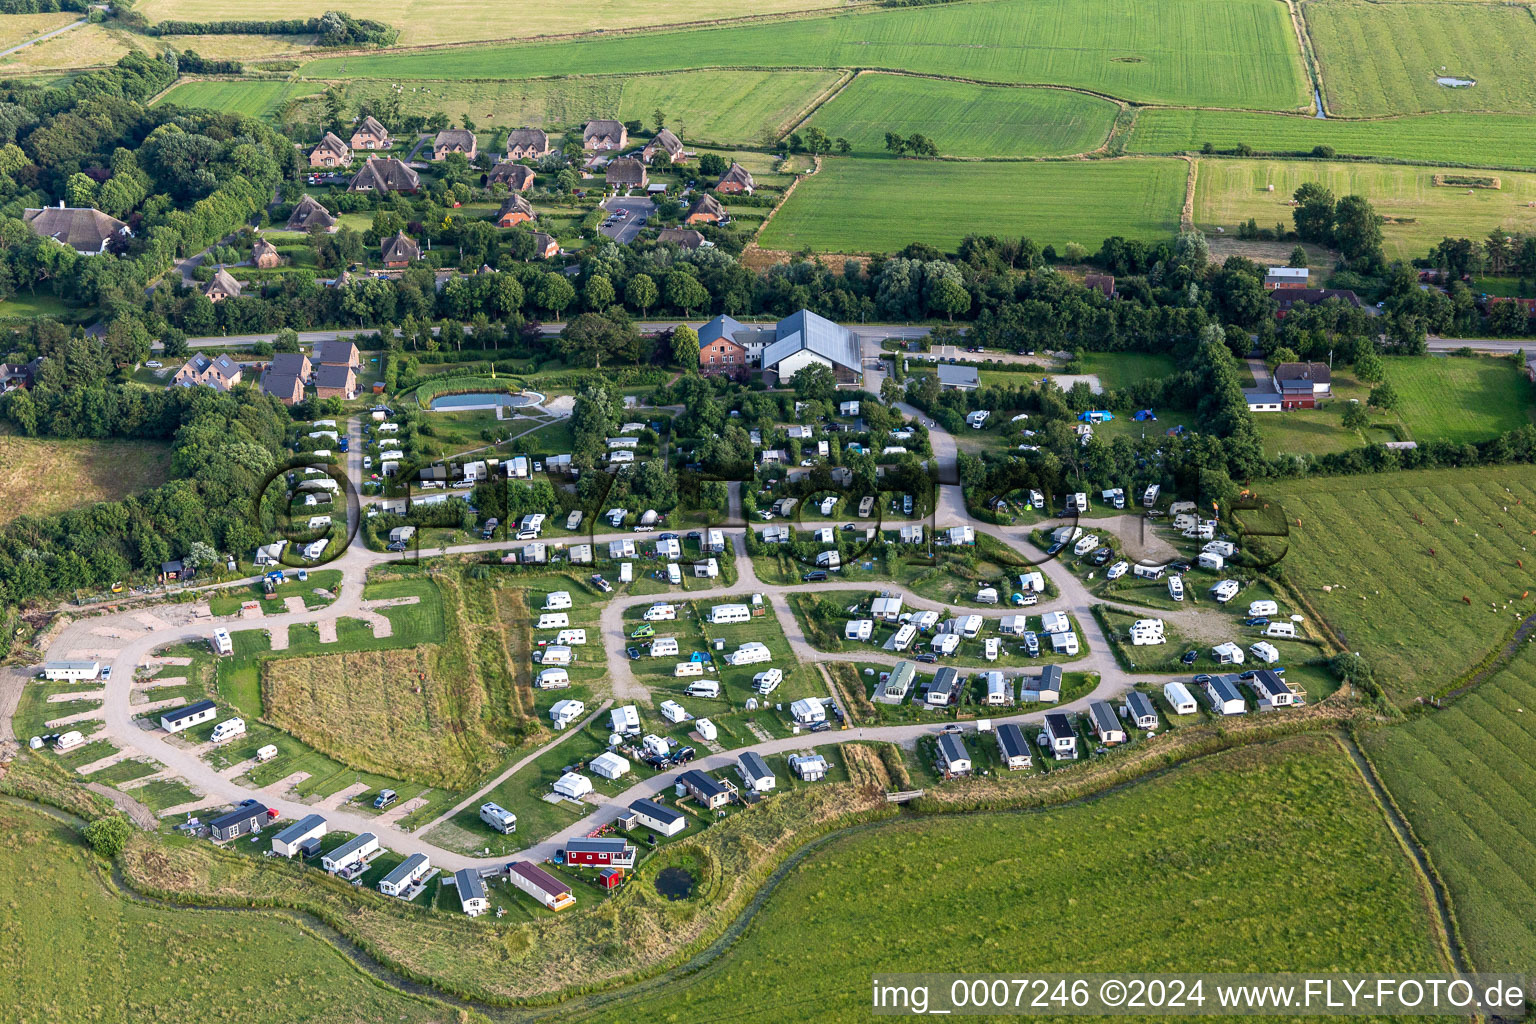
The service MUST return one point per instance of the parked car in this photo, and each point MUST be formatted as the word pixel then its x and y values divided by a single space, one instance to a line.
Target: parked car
pixel 927 659
pixel 601 584
pixel 1256 620
pixel 1202 679
pixel 815 576
pixel 1179 566
pixel 1190 657
pixel 1101 556
pixel 633 652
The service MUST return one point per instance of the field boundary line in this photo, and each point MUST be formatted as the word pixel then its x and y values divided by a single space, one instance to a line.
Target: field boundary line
pixel 1187 212
pixel 1432 886
pixel 827 95
pixel 1309 61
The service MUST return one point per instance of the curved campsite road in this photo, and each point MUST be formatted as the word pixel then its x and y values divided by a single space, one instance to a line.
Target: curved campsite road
pixel 126 638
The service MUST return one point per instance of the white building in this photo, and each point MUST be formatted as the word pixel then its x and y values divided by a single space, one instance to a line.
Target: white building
pixel 806 711
pixel 573 786
pixel 609 765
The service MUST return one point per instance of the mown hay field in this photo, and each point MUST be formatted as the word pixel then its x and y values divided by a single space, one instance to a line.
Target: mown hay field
pixel 75 951
pixel 258 99
pixel 39 477
pixel 1493 140
pixel 86 46
pixel 1217 52
pixel 727 107
pixel 880 205
pixel 16 29
pixel 1396 584
pixel 1465 777
pixel 1384 58
pixel 1418 212
pixel 1200 848
pixel 965 119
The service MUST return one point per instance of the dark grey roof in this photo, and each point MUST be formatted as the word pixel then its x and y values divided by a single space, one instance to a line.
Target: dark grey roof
pixel 400 249
pixel 1140 705
pixel 952 748
pixel 685 237
pixel 383 174
pixel 1010 739
pixel 467 881
pixel 1224 689
pixel 625 170
pixel 299 828
pixel 754 766
pixel 596 845
pixel 352 845
pixel 340 351
pixel 282 385
pixel 331 376
pixel 959 376
pixel 1050 678
pixel 806 331
pixel 1103 715
pixel 720 327
pixel 292 363
pixel 1057 725
pixel 945 680
pixel 1271 683
pixel 242 813
pixel 177 714
pixel 404 869
pixel 707 785
pixel 510 174
pixel 652 809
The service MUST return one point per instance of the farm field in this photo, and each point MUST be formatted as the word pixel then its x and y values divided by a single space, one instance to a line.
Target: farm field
pixel 259 99
pixel 1459 399
pixel 97 957
pixel 1492 140
pixel 965 119
pixel 1235 53
pixel 459 21
pixel 855 205
pixel 1418 213
pixel 1463 776
pixel 1207 836
pixel 727 107
pixel 39 477
pixel 16 29
pixel 1358 536
pixel 86 46
pixel 1383 58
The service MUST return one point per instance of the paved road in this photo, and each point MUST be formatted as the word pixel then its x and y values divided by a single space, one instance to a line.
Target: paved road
pixel 1482 345
pixel 640 210
pixel 45 35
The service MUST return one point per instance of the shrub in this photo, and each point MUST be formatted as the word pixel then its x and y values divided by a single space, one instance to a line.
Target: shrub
pixel 107 836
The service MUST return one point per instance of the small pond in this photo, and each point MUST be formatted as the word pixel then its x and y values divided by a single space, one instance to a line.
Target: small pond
pixel 674 883
pixel 484 400
pixel 1456 83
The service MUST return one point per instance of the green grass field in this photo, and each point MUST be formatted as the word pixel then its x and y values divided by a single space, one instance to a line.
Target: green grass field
pixel 41 476
pixel 77 951
pixel 1460 399
pixel 727 107
pixel 856 205
pixel 1122 369
pixel 1464 778
pixel 1384 58
pixel 966 119
pixel 1198 848
pixel 1232 53
pixel 1418 213
pixel 1494 140
pixel 1387 595
pixel 259 99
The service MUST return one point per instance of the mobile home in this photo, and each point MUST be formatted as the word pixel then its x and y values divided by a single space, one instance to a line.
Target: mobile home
pixel 1106 724
pixel 1059 737
pixel 1179 699
pixel 1011 747
pixel 187 716
pixel 953 758
pixel 288 842
pixel 351 853
pixel 725 614
pixel 1224 696
pixel 1139 709
pixel 243 820
pixel 410 871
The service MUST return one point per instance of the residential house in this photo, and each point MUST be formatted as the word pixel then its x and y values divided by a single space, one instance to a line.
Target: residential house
pixel 384 175
pixel 625 173
pixel 720 355
pixel 545 247
pixel 218 372
pixel 652 815
pixel 515 176
pixel 471 890
pixel 516 210
pixel 400 251
pixel 1285 277
pixel 335 382
pixel 222 287
pixel 945 688
pixel 1271 690
pixel 604 135
pixel 1012 748
pixel 706 210
pixel 19 375
pixel 1104 284
pixel 243 820
pixel 685 238
pixel 1224 696
pixel 1045 688
pixel 953 758
pixel 755 773
pixel 1285 298
pixel 454 140
pixel 601 852
pixel 527 144
pixel 1106 724
pixel 1300 384
pixel 1059 737
pixel 958 378
pixel 664 142
pixel 331 152
pixel 308 213
pixel 87 231
pixel 708 791
pixel 285 377
pixel 370 134
pixel 264 254
pixel 897 684
pixel 736 179
pixel 339 352
pixel 803 338
pixel 1263 401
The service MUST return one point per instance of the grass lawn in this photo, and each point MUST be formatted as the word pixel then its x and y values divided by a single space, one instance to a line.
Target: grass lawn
pixel 1206 836
pixel 259 99
pixel 26 307
pixel 1384 58
pixel 41 476
pixel 1122 369
pixel 859 205
pixel 1494 140
pixel 1418 213
pixel 1464 777
pixel 1458 399
pixel 1237 53
pixel 98 957
pixel 1387 595
pixel 727 107
pixel 965 119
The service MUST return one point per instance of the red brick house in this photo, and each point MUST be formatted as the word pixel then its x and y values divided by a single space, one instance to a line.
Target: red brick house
pixel 400 251
pixel 331 152
pixel 664 142
pixel 265 255
pixel 545 247
pixel 370 134
pixel 720 354
pixel 308 213
pixel 515 176
pixel 625 173
pixel 383 175
pixel 706 210
pixel 601 135
pixel 736 179
pixel 335 382
pixel 516 210
pixel 454 140
pixel 527 144
pixel 222 287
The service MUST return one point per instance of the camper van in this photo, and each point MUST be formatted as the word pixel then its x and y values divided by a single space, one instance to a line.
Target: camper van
pixel 1226 590
pixel 766 682
pixel 1149 496
pixel 1176 588
pixel 558 600
pixel 1148 572
pixel 69 741
pixel 228 729
pixel 557 655
pixel 674 574
pixel 500 819
pixel 1284 630
pixel 571 637
pixel 703 688
pixel 866 506
pixel 660 613
pixel 724 614
pixel 1263 608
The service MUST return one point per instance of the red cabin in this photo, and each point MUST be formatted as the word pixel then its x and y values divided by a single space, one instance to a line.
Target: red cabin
pixel 600 853
pixel 609 878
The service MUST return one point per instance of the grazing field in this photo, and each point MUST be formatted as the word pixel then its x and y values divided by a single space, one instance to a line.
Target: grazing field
pixel 1384 58
pixel 1198 847
pixel 1493 140
pixel 259 99
pixel 41 476
pixel 727 107
pixel 76 951
pixel 856 205
pixel 964 119
pixel 1464 777
pixel 1215 52
pixel 1392 587
pixel 1418 213
pixel 86 46
pixel 1460 399
pixel 16 29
